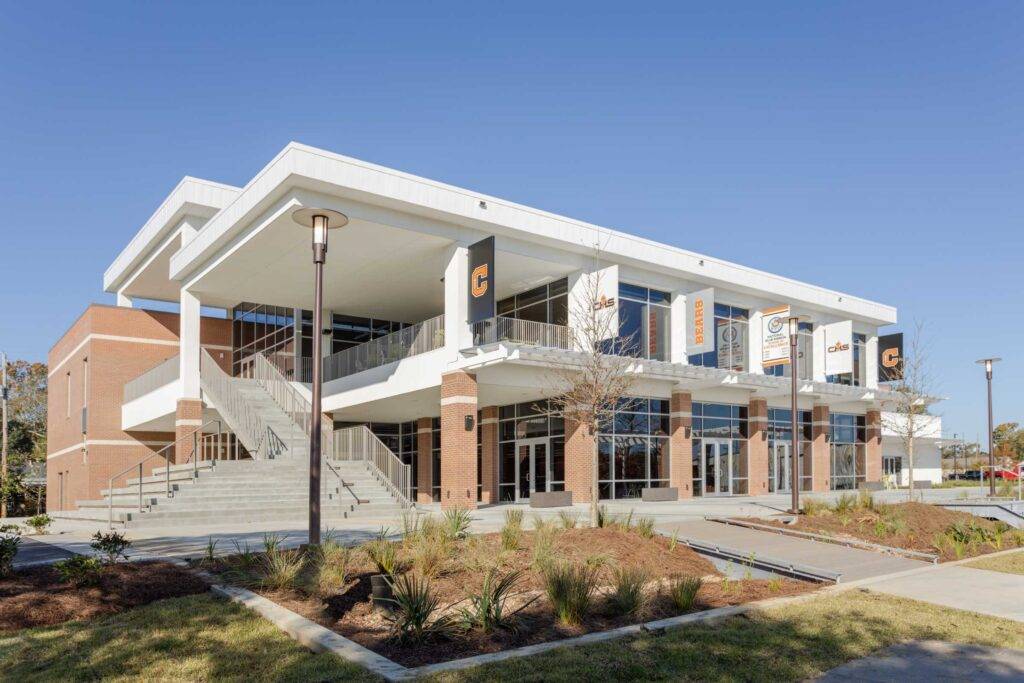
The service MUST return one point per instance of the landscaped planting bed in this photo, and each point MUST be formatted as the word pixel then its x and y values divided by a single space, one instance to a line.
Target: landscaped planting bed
pixel 457 595
pixel 950 534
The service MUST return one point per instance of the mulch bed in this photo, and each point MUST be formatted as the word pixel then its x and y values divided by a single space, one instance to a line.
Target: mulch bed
pixel 350 612
pixel 38 597
pixel 918 526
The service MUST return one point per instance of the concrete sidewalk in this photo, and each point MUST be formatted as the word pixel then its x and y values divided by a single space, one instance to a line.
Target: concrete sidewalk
pixel 929 661
pixel 854 564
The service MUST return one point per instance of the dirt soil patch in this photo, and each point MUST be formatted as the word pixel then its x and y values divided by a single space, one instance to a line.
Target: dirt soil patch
pixel 950 534
pixel 38 597
pixel 348 611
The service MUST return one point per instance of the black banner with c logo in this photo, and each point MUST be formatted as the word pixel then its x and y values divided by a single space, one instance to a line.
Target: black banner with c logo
pixel 890 357
pixel 481 280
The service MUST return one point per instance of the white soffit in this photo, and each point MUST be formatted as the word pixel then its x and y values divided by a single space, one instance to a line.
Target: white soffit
pixel 302 166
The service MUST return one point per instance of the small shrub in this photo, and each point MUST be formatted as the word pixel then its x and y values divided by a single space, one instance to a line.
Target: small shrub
pixel 410 525
pixel 487 610
pixel 332 562
pixel 281 569
pixel 113 545
pixel 272 542
pixel 10 529
pixel 605 519
pixel 569 520
pixel 629 596
pixel 428 556
pixel 457 522
pixel 383 555
pixel 645 527
pixel 543 549
pixel 210 554
pixel 514 517
pixel 674 541
pixel 683 590
pixel 244 559
pixel 413 619
pixel 846 503
pixel 80 570
pixel 815 507
pixel 866 501
pixel 39 523
pixel 8 549
pixel 774 584
pixel 570 588
pixel 510 535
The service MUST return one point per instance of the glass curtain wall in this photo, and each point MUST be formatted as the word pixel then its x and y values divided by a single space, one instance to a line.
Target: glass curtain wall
pixel 804 345
pixel 644 318
pixel 400 437
pixel 846 441
pixel 779 432
pixel 350 330
pixel 435 456
pixel 527 421
pixel 545 304
pixel 259 328
pixel 633 448
pixel 858 377
pixel 731 340
pixel 725 426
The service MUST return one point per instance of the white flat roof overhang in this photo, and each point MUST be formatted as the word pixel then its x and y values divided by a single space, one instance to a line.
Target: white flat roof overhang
pixel 471 215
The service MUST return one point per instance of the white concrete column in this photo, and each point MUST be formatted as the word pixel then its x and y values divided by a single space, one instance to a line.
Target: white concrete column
pixel 818 352
pixel 677 323
pixel 754 343
pixel 123 300
pixel 457 332
pixel 871 362
pixel 188 354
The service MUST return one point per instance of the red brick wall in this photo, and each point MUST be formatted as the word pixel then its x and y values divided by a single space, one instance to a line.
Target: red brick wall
pixel 424 461
pixel 873 446
pixel 458 444
pixel 579 459
pixel 489 455
pixel 681 444
pixel 821 458
pixel 757 447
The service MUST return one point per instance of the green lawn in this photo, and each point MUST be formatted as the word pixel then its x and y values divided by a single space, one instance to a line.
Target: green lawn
pixel 1011 563
pixel 198 638
pixel 787 643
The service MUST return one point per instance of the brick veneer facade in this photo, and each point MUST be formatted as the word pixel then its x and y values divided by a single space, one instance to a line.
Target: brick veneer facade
pixel 680 469
pixel 757 447
pixel 873 446
pixel 106 347
pixel 821 455
pixel 458 444
pixel 579 461
pixel 489 455
pixel 424 460
pixel 188 418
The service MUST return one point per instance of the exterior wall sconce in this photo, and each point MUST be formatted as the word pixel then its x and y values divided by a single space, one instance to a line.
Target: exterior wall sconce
pixel 469 423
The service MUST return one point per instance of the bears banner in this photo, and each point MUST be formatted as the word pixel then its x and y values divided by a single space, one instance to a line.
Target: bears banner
pixel 481 280
pixel 700 321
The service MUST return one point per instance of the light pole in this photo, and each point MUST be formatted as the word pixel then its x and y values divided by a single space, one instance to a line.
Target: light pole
pixel 320 220
pixel 987 362
pixel 794 448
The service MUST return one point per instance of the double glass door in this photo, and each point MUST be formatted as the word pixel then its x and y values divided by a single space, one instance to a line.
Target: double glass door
pixel 533 466
pixel 717 466
pixel 782 466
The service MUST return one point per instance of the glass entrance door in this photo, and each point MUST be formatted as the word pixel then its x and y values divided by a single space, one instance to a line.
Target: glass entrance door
pixel 782 465
pixel 533 465
pixel 717 465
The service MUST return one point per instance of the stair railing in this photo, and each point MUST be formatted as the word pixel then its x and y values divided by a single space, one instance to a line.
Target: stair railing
pixel 359 443
pixel 244 421
pixel 271 378
pixel 195 436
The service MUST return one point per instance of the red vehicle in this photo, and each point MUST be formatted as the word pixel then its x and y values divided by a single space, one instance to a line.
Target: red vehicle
pixel 1003 473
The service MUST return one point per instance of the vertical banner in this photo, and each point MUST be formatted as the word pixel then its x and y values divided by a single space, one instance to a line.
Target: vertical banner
pixel 700 321
pixel 839 348
pixel 481 280
pixel 890 357
pixel 775 336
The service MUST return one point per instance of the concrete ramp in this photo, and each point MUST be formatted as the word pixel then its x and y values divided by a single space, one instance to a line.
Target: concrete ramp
pixel 851 563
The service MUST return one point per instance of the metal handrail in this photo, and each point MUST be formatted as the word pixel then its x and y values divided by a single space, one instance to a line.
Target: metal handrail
pixel 518 331
pixel 298 408
pixel 409 341
pixel 359 443
pixel 194 435
pixel 154 378
pixel 245 422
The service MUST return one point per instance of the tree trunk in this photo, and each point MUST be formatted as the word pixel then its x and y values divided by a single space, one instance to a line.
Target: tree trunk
pixel 910 465
pixel 593 483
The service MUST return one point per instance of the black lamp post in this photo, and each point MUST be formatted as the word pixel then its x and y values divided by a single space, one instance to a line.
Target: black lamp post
pixel 987 362
pixel 320 220
pixel 794 455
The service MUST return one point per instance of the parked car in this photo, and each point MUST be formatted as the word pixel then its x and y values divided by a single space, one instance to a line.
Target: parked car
pixel 971 475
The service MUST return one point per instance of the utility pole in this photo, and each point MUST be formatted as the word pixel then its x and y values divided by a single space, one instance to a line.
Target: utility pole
pixel 3 444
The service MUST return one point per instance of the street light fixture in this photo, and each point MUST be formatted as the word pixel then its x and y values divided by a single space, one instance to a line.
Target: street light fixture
pixel 320 221
pixel 987 362
pixel 794 449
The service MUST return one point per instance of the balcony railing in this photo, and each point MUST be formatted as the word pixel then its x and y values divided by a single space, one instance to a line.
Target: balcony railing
pixel 163 374
pixel 502 329
pixel 410 341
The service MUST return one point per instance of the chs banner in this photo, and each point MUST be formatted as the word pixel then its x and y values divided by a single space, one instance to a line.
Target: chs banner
pixel 481 280
pixel 890 357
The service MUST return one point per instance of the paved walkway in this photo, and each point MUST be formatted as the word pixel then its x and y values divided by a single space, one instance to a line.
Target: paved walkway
pixel 852 563
pixel 32 552
pixel 930 661
pixel 997 594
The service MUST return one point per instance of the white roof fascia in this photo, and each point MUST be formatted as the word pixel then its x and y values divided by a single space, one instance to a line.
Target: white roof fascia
pixel 498 216
pixel 191 196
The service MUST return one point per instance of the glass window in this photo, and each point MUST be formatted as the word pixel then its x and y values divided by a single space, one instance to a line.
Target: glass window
pixel 846 445
pixel 523 421
pixel 633 449
pixel 730 352
pixel 723 425
pixel 644 318
pixel 545 304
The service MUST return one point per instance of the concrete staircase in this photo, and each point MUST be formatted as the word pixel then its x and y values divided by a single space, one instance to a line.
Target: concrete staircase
pixel 238 492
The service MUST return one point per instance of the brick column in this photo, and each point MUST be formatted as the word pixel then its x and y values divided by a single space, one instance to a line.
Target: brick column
pixel 579 459
pixel 424 461
pixel 680 469
pixel 757 447
pixel 873 446
pixel 821 458
pixel 187 418
pixel 458 444
pixel 489 455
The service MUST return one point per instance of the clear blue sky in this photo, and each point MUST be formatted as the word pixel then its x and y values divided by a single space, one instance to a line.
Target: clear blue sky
pixel 874 148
